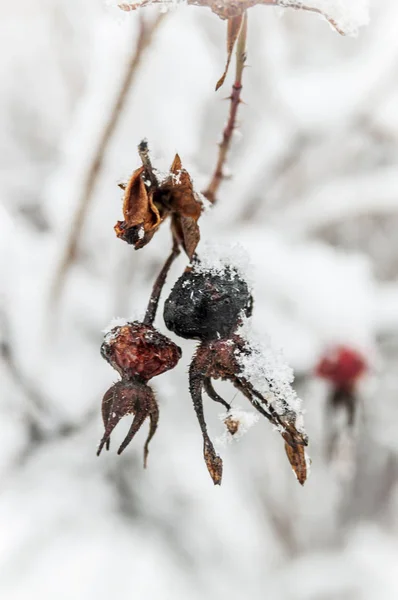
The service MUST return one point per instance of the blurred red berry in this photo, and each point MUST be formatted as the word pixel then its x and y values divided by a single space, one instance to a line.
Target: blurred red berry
pixel 342 367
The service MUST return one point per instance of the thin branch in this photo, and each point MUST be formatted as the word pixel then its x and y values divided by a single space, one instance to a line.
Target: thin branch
pixel 143 151
pixel 158 285
pixel 211 192
pixel 145 37
pixel 226 9
pixel 301 6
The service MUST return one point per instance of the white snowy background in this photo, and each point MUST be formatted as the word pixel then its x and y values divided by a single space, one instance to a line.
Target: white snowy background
pixel 313 198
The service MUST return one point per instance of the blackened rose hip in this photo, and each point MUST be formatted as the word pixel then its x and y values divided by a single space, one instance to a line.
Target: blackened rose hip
pixel 205 305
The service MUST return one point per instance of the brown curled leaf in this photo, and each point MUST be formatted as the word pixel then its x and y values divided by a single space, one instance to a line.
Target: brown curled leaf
pixel 234 27
pixel 141 216
pixel 297 459
pixel 191 235
pixel 182 196
pixel 186 232
pixel 147 203
pixel 178 195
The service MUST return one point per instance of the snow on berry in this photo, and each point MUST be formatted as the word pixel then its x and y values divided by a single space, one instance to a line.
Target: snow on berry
pixel 220 259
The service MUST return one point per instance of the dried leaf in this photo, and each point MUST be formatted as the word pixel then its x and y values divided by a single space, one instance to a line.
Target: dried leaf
pixel 179 185
pixel 176 166
pixel 297 458
pixel 147 204
pixel 191 235
pixel 141 216
pixel 137 205
pixel 178 194
pixel 234 27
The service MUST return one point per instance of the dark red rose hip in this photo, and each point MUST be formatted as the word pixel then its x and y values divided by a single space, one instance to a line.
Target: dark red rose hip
pixel 138 350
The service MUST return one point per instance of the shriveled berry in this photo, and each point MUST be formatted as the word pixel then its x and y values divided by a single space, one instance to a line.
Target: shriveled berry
pixel 207 305
pixel 137 350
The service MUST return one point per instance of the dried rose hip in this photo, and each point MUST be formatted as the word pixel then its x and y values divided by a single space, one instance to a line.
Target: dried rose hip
pixel 207 305
pixel 138 350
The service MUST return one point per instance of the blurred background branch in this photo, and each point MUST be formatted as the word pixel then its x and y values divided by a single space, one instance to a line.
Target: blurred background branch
pixel 147 29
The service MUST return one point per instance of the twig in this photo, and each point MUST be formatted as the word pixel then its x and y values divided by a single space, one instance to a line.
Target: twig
pixel 145 37
pixel 158 285
pixel 143 151
pixel 301 6
pixel 211 192
pixel 226 9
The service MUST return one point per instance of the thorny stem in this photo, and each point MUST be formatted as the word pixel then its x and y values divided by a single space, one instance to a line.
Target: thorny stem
pixel 144 40
pixel 211 192
pixel 158 285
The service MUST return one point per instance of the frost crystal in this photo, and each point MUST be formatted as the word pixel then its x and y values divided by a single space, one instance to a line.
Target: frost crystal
pixel 269 374
pixel 237 422
pixel 346 15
